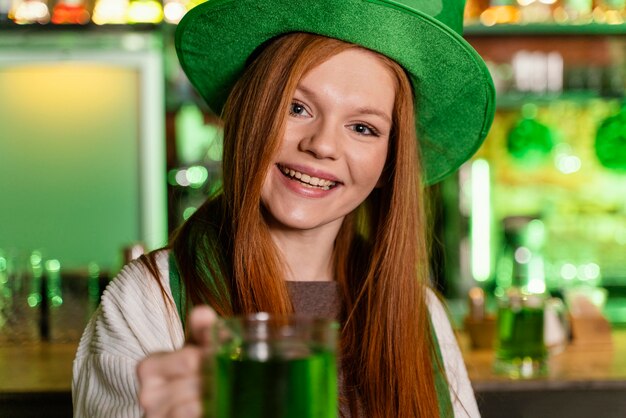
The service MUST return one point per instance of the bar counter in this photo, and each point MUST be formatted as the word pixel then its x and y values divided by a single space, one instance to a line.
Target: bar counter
pixel 583 381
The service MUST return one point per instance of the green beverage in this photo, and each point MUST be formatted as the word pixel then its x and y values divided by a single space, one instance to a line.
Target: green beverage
pixel 521 350
pixel 266 366
pixel 277 388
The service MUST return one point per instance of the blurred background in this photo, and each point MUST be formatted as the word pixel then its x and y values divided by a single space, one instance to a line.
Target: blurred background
pixel 105 149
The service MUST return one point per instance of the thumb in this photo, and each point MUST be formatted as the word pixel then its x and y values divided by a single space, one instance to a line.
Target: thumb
pixel 201 321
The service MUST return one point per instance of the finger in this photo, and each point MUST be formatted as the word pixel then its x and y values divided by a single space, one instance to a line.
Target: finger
pixel 189 409
pixel 177 395
pixel 201 321
pixel 163 367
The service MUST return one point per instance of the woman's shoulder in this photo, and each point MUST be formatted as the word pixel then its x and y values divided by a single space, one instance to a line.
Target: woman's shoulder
pixel 436 308
pixel 143 267
pixel 143 277
pixel 136 308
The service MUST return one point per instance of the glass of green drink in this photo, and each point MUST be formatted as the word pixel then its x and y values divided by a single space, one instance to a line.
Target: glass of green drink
pixel 266 366
pixel 521 351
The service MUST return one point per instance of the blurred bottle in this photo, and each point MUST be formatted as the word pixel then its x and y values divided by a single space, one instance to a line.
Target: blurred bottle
pixel 30 11
pixel 537 11
pixel 610 11
pixel 574 11
pixel 521 350
pixel 145 11
pixel 473 10
pixel 110 12
pixel 70 12
pixel 500 12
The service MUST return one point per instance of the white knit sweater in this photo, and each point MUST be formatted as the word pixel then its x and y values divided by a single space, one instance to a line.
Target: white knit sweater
pixel 133 321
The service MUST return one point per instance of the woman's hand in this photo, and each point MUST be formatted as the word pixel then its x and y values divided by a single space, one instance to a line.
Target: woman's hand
pixel 171 383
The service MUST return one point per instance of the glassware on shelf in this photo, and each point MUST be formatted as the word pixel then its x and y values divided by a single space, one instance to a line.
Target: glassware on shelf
pixel 500 12
pixel 145 11
pixel 610 12
pixel 70 12
pixel 574 11
pixel 520 347
pixel 30 11
pixel 20 296
pixel 473 10
pixel 537 11
pixel 110 12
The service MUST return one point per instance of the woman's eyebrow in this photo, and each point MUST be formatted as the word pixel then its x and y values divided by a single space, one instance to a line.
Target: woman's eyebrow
pixel 361 110
pixel 374 111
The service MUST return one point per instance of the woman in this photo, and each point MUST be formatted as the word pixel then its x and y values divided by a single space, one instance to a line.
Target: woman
pixel 322 201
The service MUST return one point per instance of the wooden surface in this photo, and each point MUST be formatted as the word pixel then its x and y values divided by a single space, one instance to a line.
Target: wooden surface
pixel 591 366
pixel 47 367
pixel 41 367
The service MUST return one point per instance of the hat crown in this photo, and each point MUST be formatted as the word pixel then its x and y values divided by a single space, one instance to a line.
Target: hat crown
pixel 448 12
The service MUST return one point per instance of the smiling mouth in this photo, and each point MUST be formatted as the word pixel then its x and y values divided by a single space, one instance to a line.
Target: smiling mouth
pixel 307 180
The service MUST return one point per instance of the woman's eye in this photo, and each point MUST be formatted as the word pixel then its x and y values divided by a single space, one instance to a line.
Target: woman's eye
pixel 297 109
pixel 362 129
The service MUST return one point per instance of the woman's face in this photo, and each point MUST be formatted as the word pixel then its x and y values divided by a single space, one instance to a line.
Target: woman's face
pixel 335 143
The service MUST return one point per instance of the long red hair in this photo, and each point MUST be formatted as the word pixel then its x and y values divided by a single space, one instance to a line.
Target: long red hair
pixel 227 259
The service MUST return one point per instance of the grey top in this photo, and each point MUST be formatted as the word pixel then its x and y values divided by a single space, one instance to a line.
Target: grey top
pixel 319 299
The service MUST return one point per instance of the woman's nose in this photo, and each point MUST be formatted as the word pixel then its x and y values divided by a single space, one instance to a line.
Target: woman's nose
pixel 322 141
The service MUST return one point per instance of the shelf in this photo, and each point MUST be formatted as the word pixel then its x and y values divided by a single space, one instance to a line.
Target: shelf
pixel 544 29
pixel 90 27
pixel 514 100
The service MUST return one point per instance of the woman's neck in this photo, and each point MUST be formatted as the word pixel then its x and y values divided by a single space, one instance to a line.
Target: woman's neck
pixel 308 255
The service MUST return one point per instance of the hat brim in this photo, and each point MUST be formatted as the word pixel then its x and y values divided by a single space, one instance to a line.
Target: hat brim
pixel 454 93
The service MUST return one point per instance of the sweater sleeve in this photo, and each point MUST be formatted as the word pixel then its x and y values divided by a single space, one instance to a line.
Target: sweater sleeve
pixel 135 318
pixel 461 392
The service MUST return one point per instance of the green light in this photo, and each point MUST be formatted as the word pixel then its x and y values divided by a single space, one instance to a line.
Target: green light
pixel 591 271
pixel 3 271
pixel 35 258
pixel 536 272
pixel 93 270
pixel 197 176
pixel 529 110
pixel 568 271
pixel 568 164
pixel 188 212
pixel 53 266
pixel 536 286
pixel 33 300
pixel 535 234
pixel 481 221
pixel 56 301
pixel 171 177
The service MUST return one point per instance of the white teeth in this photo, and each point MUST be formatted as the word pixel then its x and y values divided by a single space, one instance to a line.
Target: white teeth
pixel 307 179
